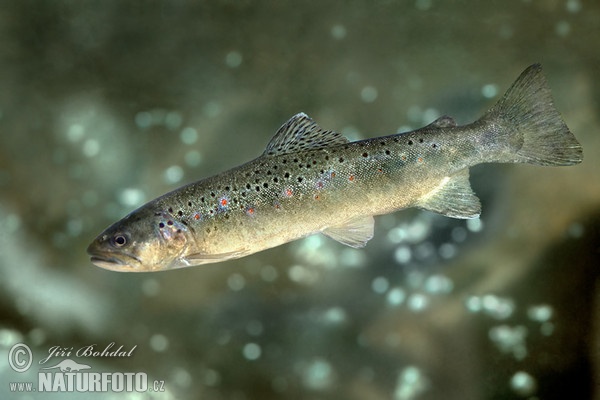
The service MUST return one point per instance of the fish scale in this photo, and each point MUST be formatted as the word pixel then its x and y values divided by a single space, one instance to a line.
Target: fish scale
pixel 310 180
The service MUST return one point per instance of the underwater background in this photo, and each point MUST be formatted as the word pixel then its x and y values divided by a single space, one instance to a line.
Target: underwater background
pixel 106 105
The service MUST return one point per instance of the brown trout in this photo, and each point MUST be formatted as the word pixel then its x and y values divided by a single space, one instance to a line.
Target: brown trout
pixel 310 180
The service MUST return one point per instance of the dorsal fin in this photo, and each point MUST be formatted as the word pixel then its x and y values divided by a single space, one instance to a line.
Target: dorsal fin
pixel 443 122
pixel 301 133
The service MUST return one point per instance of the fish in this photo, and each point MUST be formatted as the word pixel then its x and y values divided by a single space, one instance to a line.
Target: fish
pixel 310 180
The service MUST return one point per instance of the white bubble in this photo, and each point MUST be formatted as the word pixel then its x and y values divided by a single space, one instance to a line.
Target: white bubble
pixel 251 351
pixel 540 313
pixel 301 274
pixel 380 285
pixel 188 135
pixel 396 296
pixel 447 250
pixel 403 254
pixel 233 59
pixel 498 307
pixel 173 174
pixel 368 94
pixel 236 282
pixel 423 5
pixel 335 315
pixel 212 109
pixel 130 197
pixel 418 302
pixel 254 328
pixel 459 234
pixel 211 377
pixel 510 340
pixel 268 273
pixel 173 120
pixel 75 132
pixel 338 31
pixel 150 287
pixel 573 6
pixel 489 91
pixel 182 377
pixel 143 119
pixel 411 384
pixel 474 304
pixel 91 147
pixel 438 284
pixel 523 383
pixel 318 375
pixel 159 343
pixel 562 28
pixel 12 223
pixel 474 225
pixel 193 158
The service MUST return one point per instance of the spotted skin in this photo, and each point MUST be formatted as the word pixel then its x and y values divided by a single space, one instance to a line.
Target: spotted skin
pixel 310 180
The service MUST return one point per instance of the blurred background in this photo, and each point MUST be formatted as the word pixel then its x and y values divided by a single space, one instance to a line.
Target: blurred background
pixel 106 105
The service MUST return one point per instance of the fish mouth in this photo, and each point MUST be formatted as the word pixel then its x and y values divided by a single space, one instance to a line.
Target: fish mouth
pixel 127 264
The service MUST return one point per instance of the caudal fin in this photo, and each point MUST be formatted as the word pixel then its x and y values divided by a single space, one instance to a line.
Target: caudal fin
pixel 536 132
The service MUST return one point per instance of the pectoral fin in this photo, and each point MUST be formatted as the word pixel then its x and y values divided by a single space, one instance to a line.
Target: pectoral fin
pixel 453 197
pixel 191 260
pixel 354 233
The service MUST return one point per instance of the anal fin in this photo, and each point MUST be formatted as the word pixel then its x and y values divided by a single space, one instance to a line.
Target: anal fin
pixel 453 197
pixel 354 233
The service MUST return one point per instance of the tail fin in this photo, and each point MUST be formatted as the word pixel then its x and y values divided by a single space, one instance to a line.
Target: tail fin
pixel 538 133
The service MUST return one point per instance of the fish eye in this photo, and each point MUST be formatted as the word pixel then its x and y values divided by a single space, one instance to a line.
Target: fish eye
pixel 119 240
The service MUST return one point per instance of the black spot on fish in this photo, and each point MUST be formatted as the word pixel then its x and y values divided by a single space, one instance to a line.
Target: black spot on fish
pixel 275 180
pixel 410 142
pixel 248 186
pixel 258 188
pixel 287 175
pixel 421 140
pixel 387 152
pixel 341 159
pixel 161 225
pixel 212 194
pixel 180 213
pixel 170 209
pixel 189 203
pixel 265 185
pixel 365 154
pixel 227 188
pixel 300 179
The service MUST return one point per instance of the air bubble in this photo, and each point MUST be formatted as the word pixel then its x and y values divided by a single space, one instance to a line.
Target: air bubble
pixel 236 282
pixel 523 383
pixel 90 148
pixel 251 351
pixel 562 28
pixel 489 91
pixel 75 133
pixel 380 285
pixel 368 94
pixel 474 225
pixel 159 343
pixel 143 119
pixel 338 31
pixel 318 375
pixel 540 313
pixel 130 197
pixel 418 302
pixel 193 158
pixel 188 135
pixel 233 59
pixel 173 120
pixel 173 174
pixel 396 296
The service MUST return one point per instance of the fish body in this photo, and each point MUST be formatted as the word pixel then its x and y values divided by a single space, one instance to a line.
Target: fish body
pixel 310 180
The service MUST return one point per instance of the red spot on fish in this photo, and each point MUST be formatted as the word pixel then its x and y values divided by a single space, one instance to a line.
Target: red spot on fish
pixel 379 170
pixel 420 159
pixel 320 184
pixel 288 192
pixel 224 202
pixel 351 178
pixel 196 216
pixel 333 174
pixel 317 197
pixel 250 211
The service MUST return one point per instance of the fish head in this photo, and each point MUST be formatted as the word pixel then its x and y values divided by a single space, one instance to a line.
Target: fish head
pixel 145 240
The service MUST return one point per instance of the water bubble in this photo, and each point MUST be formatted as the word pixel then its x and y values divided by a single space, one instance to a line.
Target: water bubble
pixel 474 225
pixel 489 91
pixel 150 287
pixel 403 254
pixel 173 174
pixel 233 59
pixel 459 234
pixel 438 284
pixel 510 339
pixel 368 94
pixel 335 315
pixel 236 282
pixel 380 285
pixel 447 250
pixel 143 119
pixel 338 31
pixel 423 5
pixel 173 120
pixel 130 197
pixel 301 274
pixel 573 6
pixel 411 384
pixel 188 135
pixel 159 343
pixel 523 383
pixel 540 313
pixel 212 109
pixel 182 377
pixel 254 328
pixel 562 28
pixel 474 304
pixel 210 377
pixel 268 273
pixel 497 307
pixel 251 351
pixel 396 296
pixel 91 147
pixel 418 302
pixel 193 158
pixel 318 375
pixel 75 133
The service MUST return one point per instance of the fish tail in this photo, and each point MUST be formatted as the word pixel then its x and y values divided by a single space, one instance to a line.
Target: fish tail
pixel 531 128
